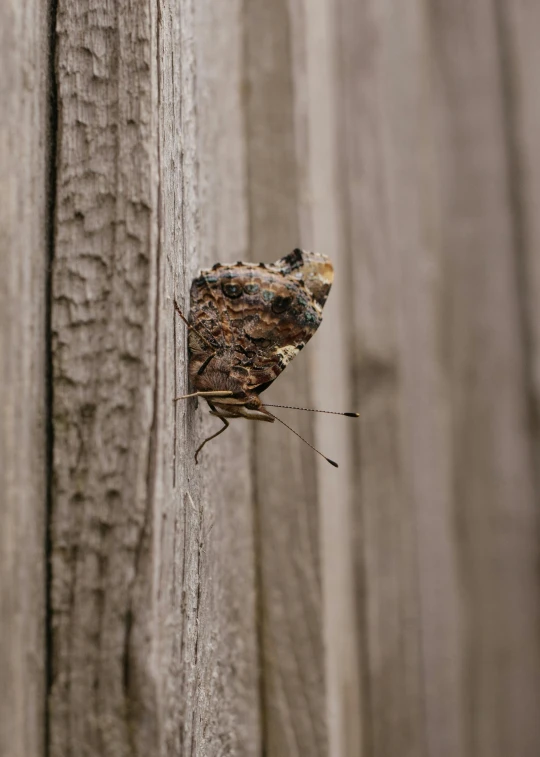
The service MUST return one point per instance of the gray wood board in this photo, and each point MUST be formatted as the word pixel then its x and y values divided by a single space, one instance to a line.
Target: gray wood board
pixel 288 546
pixel 24 252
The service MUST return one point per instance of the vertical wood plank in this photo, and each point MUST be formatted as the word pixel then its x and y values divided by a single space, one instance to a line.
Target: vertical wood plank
pixel 293 687
pixel 24 250
pixel 518 24
pixel 103 697
pixel 329 360
pixel 154 632
pixel 385 540
pixel 416 220
pixel 446 507
pixel 207 574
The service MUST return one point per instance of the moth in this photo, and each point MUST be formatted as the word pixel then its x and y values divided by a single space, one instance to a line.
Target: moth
pixel 247 321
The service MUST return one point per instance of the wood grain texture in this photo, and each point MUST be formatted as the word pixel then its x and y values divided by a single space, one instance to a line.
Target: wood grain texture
pixel 329 363
pixel 385 538
pixel 207 574
pixel 293 688
pixel 154 640
pixel 24 250
pixel 103 697
pixel 446 500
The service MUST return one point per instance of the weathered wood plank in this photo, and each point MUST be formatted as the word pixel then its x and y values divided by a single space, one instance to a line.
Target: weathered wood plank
pixel 370 58
pixel 329 363
pixel 154 634
pixel 208 573
pixel 24 250
pixel 285 469
pixel 104 334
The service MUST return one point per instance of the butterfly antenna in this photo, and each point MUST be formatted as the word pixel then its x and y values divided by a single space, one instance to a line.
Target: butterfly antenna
pixel 302 438
pixel 311 410
pixel 192 328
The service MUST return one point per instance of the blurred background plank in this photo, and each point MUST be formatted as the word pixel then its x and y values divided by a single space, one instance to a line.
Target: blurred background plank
pixel 485 346
pixel 447 507
pixel 518 24
pixel 380 70
pixel 329 361
pixel 285 472
pixel 24 256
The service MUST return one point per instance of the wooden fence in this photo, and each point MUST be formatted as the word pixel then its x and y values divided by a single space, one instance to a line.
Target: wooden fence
pixel 263 603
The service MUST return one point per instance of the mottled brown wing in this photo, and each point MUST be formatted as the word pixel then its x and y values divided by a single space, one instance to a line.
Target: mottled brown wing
pixel 257 317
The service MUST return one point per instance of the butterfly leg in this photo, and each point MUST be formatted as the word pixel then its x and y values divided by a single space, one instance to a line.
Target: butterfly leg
pixel 204 394
pixel 224 414
pixel 221 430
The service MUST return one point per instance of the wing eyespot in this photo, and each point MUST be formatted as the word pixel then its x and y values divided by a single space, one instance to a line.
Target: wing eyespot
pixel 231 290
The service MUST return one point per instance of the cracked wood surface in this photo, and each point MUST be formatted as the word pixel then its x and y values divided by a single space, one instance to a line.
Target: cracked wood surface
pixel 153 605
pixel 104 686
pixel 24 250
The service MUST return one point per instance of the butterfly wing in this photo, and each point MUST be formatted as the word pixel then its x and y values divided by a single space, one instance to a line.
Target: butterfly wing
pixel 257 317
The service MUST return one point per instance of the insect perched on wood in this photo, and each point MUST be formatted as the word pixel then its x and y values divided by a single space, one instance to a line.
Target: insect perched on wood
pixel 247 322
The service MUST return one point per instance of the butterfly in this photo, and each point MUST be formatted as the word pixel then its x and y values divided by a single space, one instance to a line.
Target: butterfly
pixel 247 321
